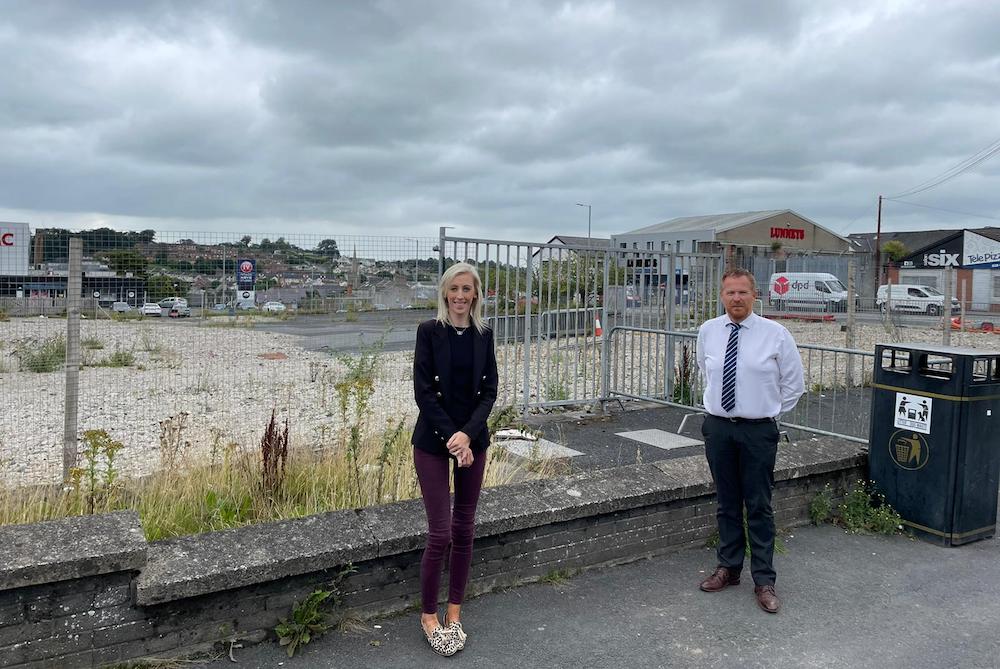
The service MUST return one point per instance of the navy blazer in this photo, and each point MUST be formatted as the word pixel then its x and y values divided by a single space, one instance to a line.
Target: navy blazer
pixel 433 387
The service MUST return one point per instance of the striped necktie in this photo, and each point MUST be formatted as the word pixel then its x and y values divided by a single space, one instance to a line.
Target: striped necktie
pixel 729 369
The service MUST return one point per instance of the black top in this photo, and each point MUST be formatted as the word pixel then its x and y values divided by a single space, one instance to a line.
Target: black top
pixel 464 400
pixel 455 385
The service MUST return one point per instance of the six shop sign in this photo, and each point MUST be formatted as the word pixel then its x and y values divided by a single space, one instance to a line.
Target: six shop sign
pixel 246 273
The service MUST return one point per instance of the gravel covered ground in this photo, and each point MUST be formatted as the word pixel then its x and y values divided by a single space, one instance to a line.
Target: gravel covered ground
pixel 194 388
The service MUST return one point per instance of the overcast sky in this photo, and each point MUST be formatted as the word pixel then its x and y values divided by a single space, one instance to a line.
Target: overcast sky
pixel 350 117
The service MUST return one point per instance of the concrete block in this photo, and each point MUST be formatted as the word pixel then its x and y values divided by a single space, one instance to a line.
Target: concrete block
pixel 215 561
pixel 70 548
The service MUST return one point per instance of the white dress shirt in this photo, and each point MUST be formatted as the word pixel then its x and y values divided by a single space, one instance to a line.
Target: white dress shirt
pixel 769 379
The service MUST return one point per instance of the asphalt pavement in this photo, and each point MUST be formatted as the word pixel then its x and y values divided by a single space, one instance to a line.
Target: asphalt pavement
pixel 847 600
pixel 396 329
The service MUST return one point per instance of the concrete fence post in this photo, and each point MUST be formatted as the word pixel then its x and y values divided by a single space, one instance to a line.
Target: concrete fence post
pixel 74 288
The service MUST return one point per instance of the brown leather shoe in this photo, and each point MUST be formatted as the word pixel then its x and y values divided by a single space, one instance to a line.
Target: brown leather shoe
pixel 766 599
pixel 720 579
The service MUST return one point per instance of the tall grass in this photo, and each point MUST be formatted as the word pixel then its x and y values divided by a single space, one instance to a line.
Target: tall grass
pixel 48 356
pixel 228 491
pixel 234 487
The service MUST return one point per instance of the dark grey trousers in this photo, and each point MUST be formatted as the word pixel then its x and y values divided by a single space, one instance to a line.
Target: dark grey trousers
pixel 741 457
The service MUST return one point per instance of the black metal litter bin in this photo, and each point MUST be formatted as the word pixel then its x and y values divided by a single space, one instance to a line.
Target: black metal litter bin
pixel 935 438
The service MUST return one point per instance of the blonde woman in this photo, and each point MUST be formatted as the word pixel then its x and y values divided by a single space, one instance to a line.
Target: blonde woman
pixel 455 385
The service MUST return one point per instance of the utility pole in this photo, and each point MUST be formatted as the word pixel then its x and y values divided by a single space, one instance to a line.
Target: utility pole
pixel 878 244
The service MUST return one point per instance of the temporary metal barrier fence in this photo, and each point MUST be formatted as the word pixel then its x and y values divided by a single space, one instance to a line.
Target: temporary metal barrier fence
pixel 661 366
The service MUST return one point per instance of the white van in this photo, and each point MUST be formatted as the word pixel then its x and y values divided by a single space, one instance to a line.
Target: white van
pixel 913 298
pixel 807 290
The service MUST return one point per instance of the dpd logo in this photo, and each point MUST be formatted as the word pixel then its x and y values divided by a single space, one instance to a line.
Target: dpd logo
pixel 781 285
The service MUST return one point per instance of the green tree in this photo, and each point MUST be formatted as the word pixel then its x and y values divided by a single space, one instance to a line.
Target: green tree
pixel 124 261
pixel 895 250
pixel 160 286
pixel 328 247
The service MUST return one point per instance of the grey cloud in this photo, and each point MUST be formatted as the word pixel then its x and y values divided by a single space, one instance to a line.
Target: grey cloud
pixel 494 116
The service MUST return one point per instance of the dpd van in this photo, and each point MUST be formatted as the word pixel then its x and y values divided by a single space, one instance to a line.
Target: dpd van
pixel 807 290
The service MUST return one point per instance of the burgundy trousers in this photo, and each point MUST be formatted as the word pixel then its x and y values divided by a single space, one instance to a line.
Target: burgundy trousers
pixel 446 526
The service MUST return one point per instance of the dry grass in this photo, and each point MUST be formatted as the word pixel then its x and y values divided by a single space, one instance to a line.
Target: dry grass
pixel 229 489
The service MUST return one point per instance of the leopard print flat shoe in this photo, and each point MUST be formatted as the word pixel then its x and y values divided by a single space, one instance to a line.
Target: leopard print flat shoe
pixel 460 635
pixel 443 641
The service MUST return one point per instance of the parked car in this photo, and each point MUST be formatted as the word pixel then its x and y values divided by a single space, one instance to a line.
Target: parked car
pixel 913 298
pixel 274 307
pixel 219 306
pixel 807 290
pixel 170 302
pixel 179 311
pixel 151 309
pixel 121 307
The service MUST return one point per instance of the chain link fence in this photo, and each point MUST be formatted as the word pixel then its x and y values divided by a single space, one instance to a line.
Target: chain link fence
pixel 187 341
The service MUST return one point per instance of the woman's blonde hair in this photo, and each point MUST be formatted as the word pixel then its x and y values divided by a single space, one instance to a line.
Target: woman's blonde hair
pixel 476 310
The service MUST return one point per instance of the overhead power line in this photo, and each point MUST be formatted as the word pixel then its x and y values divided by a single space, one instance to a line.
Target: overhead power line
pixel 950 211
pixel 952 172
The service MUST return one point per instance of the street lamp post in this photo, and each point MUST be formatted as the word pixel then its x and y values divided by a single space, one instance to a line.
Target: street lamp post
pixel 579 204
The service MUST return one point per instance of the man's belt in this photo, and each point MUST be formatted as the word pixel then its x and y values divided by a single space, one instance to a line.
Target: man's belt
pixel 737 419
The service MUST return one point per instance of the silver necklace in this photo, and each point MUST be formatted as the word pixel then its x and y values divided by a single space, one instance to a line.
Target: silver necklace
pixel 460 331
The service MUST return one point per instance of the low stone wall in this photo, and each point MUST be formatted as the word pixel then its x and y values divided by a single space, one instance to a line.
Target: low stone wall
pixel 90 591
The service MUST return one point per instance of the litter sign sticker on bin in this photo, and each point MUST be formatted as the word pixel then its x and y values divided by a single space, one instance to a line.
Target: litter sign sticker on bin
pixel 909 450
pixel 913 412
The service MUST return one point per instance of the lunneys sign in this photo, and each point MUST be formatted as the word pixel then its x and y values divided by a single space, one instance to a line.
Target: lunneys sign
pixel 788 233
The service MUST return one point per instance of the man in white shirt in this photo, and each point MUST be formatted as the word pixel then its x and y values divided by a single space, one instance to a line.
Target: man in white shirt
pixel 752 373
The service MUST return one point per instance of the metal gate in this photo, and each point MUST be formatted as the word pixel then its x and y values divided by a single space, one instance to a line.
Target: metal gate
pixel 560 312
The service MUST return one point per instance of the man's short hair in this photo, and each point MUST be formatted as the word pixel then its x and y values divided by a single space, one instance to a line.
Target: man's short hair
pixel 736 272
